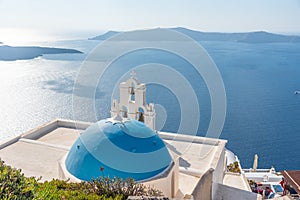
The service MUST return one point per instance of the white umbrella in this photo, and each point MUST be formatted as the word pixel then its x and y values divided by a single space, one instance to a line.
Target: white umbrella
pixel 255 162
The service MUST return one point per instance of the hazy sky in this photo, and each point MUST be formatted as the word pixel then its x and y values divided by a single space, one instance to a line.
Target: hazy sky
pixel 58 16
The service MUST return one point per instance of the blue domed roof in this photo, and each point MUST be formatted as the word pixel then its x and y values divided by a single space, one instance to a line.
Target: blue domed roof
pixel 118 149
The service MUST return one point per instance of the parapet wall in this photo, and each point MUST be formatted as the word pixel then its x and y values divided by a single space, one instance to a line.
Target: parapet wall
pixel 224 192
pixel 167 182
pixel 203 189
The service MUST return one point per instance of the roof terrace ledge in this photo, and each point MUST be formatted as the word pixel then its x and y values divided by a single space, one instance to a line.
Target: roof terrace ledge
pixel 191 138
pixel 44 129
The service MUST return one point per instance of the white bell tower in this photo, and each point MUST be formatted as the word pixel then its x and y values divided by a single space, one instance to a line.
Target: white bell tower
pixel 133 103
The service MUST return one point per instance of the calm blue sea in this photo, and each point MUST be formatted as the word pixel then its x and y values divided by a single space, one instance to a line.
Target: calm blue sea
pixel 263 113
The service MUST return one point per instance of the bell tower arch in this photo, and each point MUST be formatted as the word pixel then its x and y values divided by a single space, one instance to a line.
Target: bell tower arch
pixel 133 98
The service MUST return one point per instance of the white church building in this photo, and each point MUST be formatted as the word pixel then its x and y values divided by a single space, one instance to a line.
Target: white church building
pixel 127 145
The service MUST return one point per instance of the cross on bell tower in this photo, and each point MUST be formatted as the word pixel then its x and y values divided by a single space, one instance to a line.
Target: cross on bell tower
pixel 132 75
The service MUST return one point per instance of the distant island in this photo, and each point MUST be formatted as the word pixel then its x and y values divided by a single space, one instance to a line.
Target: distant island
pixel 247 37
pixel 9 53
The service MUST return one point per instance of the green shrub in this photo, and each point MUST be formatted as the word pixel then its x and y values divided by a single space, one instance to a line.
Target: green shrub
pixel 14 185
pixel 234 167
pixel 59 189
pixel 118 186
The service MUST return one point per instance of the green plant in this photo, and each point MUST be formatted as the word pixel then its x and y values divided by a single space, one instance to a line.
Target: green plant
pixel 14 185
pixel 234 167
pixel 59 189
pixel 117 186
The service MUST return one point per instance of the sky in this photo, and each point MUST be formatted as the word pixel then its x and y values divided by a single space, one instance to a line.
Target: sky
pixel 54 18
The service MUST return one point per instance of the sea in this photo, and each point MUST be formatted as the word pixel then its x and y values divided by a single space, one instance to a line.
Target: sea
pixel 262 109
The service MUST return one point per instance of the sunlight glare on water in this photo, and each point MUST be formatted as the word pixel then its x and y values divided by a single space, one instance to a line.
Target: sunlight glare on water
pixel 12 36
pixel 30 95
